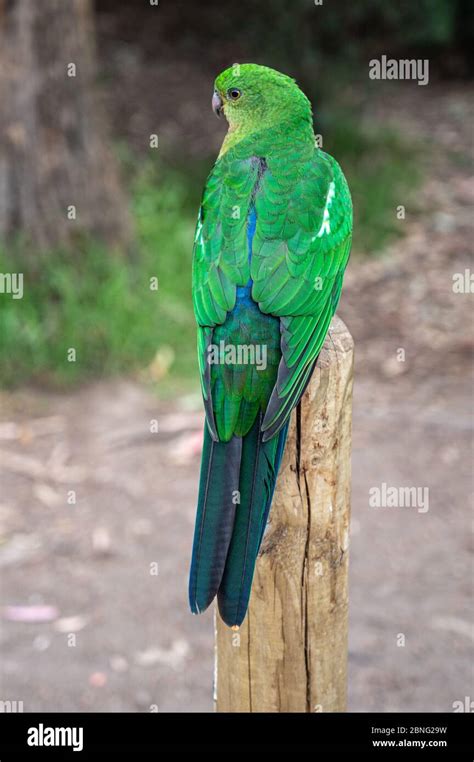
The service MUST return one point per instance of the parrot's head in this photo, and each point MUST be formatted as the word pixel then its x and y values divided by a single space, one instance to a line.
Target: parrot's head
pixel 254 97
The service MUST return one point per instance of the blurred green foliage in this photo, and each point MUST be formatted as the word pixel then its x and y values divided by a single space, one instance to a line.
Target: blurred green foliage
pixel 102 305
pixel 382 169
pixel 330 45
pixel 349 27
pixel 312 39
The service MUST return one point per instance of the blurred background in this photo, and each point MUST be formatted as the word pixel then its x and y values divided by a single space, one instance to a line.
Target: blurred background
pixel 106 138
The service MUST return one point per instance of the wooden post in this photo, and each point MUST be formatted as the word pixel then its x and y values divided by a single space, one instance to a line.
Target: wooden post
pixel 290 655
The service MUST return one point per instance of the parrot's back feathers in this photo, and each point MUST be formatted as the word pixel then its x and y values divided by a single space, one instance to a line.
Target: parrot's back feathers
pixel 272 243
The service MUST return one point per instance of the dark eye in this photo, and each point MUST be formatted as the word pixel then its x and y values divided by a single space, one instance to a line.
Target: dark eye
pixel 233 93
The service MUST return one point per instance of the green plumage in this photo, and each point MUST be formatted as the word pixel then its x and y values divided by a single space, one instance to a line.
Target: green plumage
pixel 272 242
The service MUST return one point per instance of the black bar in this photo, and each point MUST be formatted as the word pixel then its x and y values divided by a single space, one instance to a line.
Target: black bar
pixel 125 734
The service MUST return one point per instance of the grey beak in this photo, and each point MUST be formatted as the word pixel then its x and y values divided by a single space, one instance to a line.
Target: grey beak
pixel 217 104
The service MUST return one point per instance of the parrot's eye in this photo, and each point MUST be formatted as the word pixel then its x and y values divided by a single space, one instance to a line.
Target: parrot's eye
pixel 233 93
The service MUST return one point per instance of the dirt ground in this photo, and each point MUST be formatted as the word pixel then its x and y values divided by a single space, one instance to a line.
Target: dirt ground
pixel 97 509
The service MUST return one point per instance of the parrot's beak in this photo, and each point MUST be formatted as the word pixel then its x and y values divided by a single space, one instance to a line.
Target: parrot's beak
pixel 217 104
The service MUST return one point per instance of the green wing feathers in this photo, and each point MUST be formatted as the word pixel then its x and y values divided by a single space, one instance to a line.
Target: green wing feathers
pixel 298 253
pixel 297 269
pixel 220 246
pixel 300 249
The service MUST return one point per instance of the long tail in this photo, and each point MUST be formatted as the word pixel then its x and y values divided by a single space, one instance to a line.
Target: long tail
pixel 259 467
pixel 235 494
pixel 218 489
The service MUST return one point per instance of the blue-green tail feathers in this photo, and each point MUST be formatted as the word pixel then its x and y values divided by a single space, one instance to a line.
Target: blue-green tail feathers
pixel 218 487
pixel 228 533
pixel 258 475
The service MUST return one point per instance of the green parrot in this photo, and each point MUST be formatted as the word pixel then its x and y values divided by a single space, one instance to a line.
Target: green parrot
pixel 272 242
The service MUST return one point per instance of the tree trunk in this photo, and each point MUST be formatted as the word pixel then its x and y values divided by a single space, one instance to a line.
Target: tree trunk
pixel 58 177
